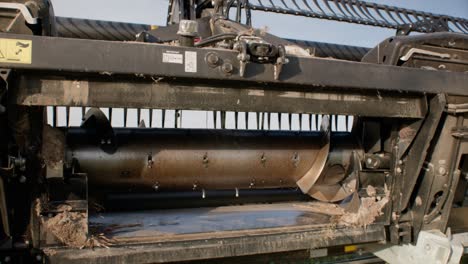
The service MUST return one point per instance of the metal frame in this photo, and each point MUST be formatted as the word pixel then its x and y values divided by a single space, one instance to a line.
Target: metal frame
pixel 232 244
pixel 79 72
pixel 141 59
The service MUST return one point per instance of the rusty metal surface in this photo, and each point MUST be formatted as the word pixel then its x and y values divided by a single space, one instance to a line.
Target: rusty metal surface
pixel 198 159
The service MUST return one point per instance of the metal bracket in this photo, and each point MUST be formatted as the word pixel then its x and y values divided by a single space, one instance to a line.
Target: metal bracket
pixel 280 61
pixel 413 51
pixel 263 53
pixel 23 9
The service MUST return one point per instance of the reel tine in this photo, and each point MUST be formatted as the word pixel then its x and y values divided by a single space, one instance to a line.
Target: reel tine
pixel 236 116
pixel 300 122
pixel 258 120
pixel 176 118
pixel 215 113
pixel 150 117
pixel 279 121
pixel 263 120
pixel 223 119
pixel 125 117
pixel 110 115
pixel 67 116
pixel 317 122
pixel 347 123
pixel 246 120
pixel 83 111
pixel 138 115
pixel 268 120
pixel 310 122
pixel 54 116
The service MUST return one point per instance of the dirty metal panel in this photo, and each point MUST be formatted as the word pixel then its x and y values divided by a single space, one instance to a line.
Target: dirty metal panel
pixel 108 92
pixel 176 235
pixel 170 222
pixel 109 57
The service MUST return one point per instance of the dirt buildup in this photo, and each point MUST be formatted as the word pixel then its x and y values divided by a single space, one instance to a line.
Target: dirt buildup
pixel 321 208
pixel 370 208
pixel 371 192
pixel 49 251
pixel 53 146
pixel 68 227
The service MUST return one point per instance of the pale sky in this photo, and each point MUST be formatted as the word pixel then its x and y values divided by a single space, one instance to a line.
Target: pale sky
pixel 154 12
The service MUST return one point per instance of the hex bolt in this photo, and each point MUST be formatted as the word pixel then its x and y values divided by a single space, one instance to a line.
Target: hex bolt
pixel 212 59
pixel 227 68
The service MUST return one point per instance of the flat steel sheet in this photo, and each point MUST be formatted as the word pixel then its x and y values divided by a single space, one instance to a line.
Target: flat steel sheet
pixel 202 220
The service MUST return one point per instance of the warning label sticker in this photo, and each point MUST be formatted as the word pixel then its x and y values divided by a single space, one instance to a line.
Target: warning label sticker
pixel 15 51
pixel 173 57
pixel 190 61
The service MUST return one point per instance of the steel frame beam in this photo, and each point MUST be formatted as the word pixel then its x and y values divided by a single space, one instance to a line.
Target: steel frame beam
pixel 142 59
pixel 105 91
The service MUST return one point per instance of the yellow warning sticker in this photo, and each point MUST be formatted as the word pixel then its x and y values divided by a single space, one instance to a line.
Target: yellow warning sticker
pixel 15 51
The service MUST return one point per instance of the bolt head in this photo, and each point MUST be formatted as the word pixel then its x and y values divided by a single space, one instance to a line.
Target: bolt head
pixel 212 59
pixel 22 179
pixel 442 170
pixel 227 67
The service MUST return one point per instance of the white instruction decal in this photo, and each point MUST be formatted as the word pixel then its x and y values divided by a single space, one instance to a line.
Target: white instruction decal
pixel 190 61
pixel 172 57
